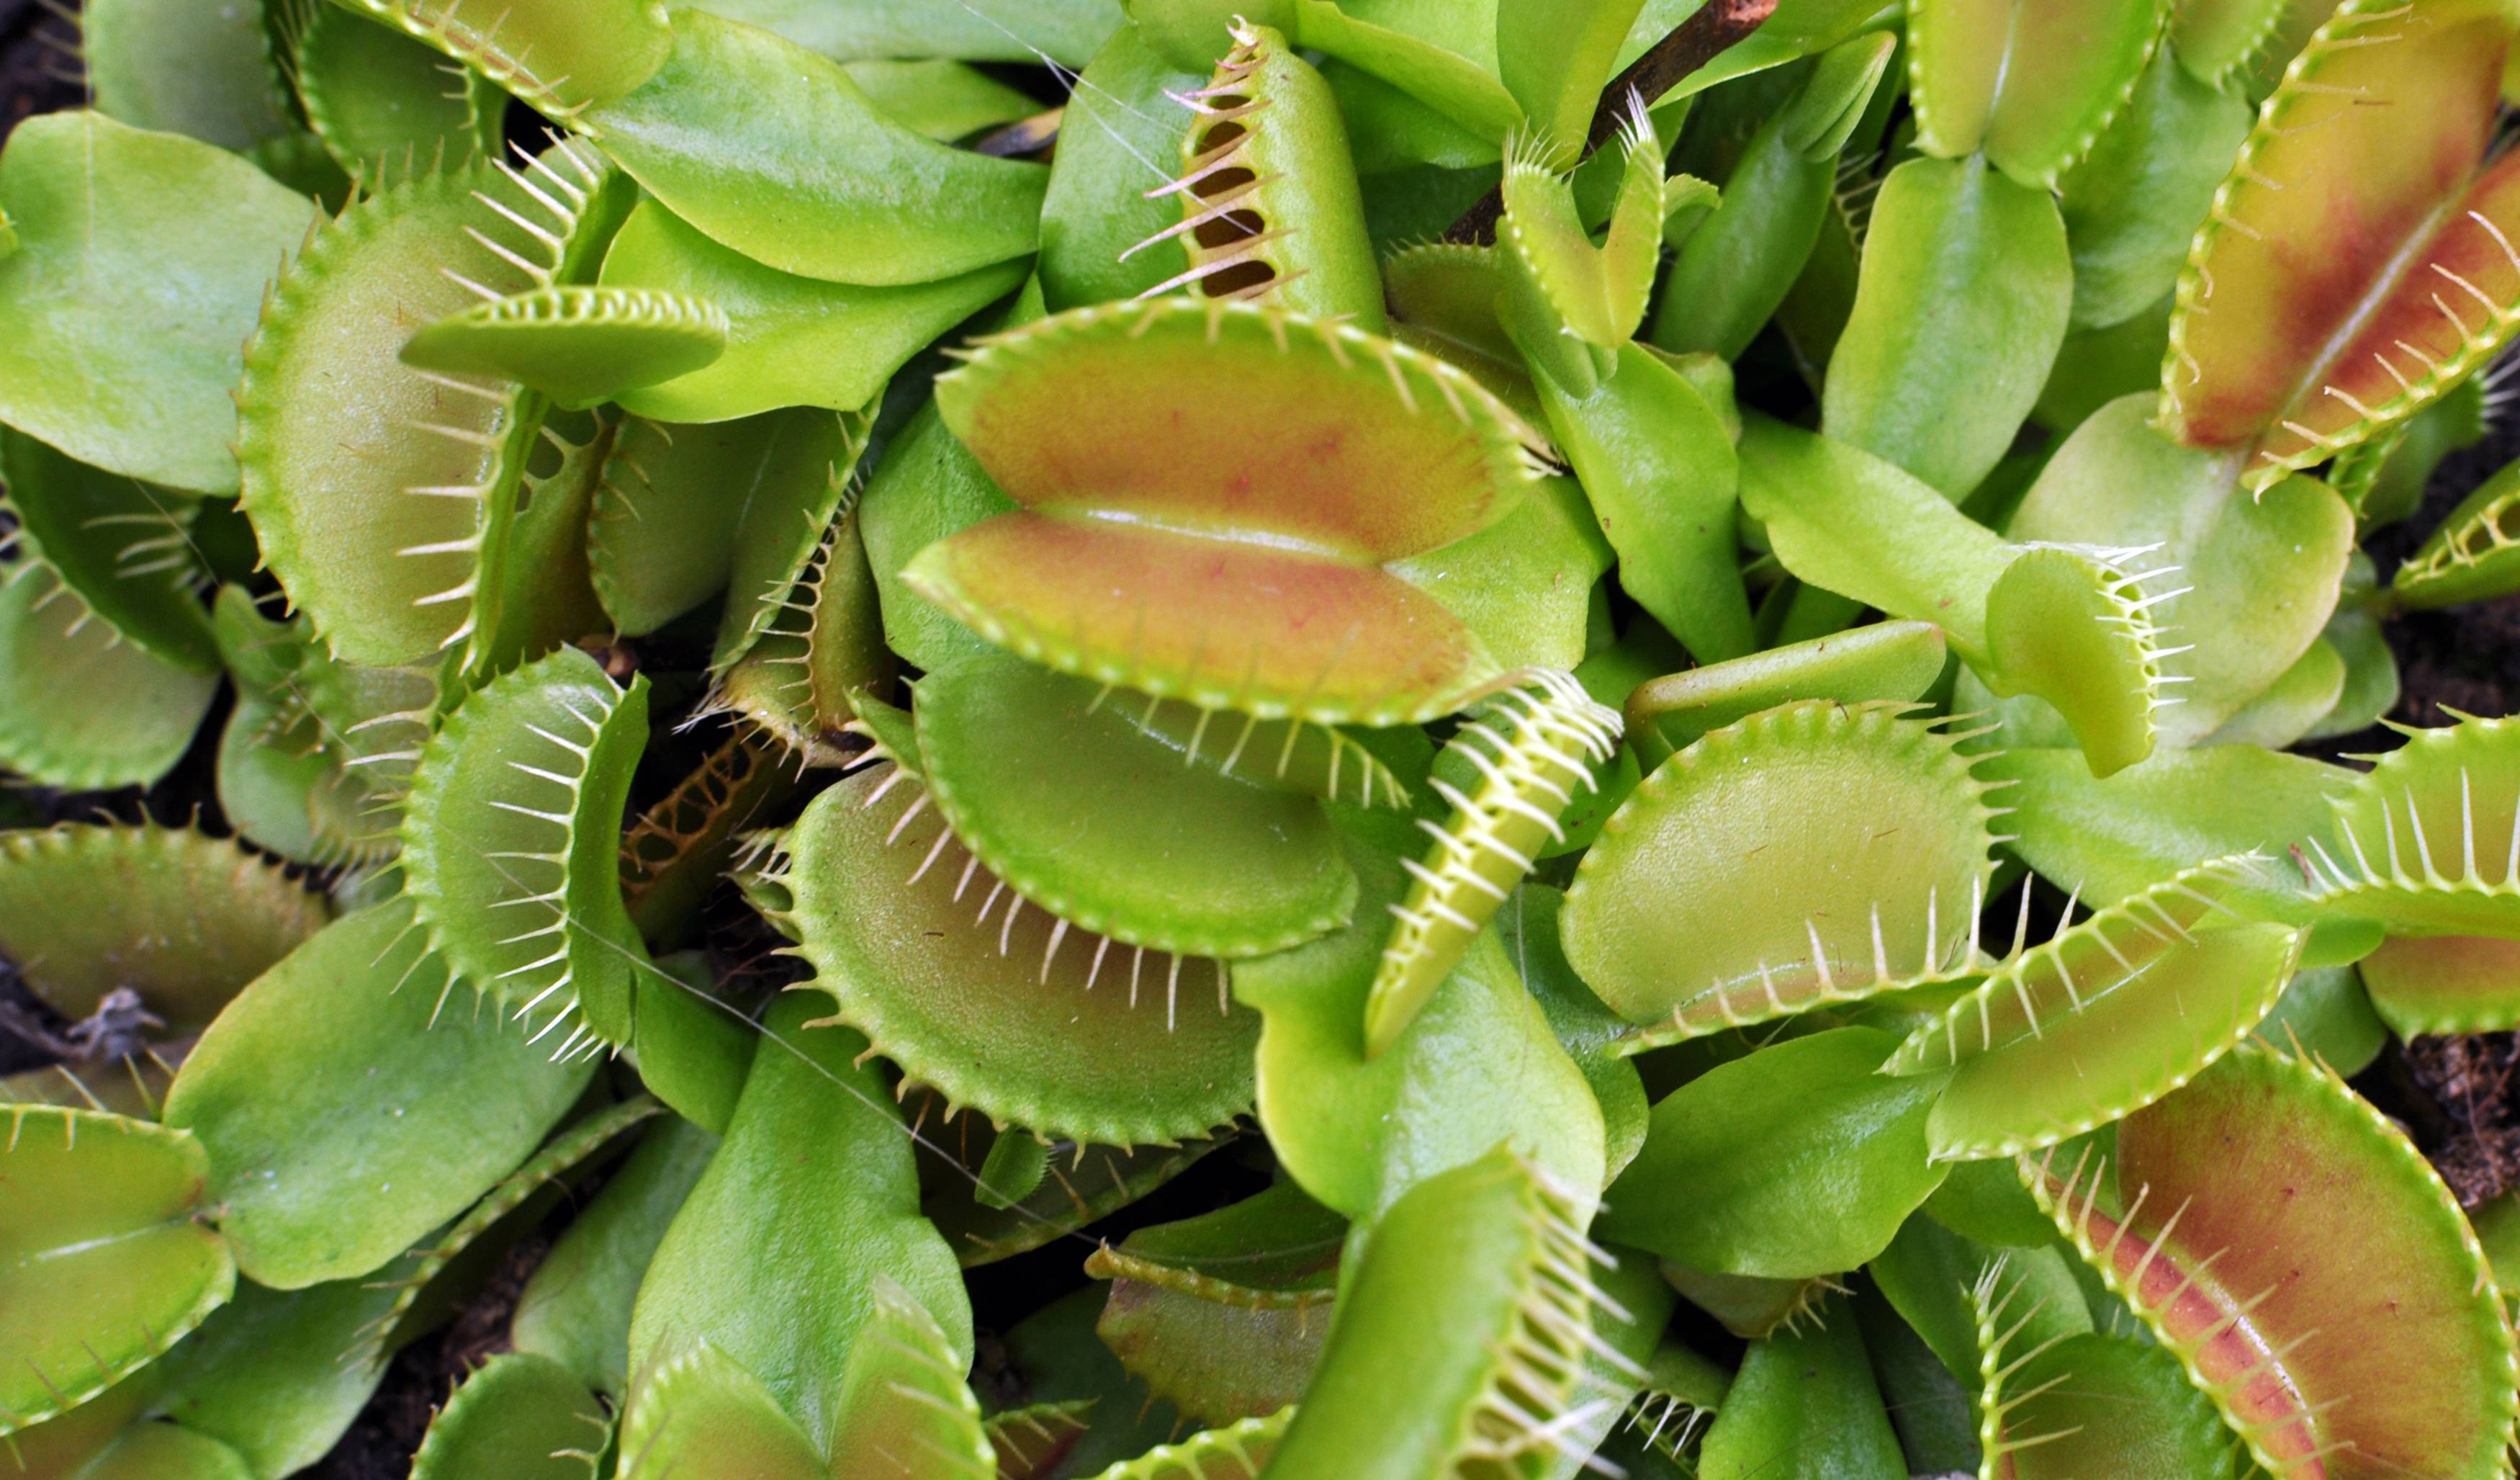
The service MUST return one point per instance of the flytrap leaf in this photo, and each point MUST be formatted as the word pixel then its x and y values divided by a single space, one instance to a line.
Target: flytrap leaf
pixel 1280 755
pixel 775 153
pixel 1841 1161
pixel 1480 1065
pixel 180 917
pixel 1492 1252
pixel 699 1405
pixel 2445 984
pixel 1659 470
pixel 138 260
pixel 579 345
pixel 790 340
pixel 2355 265
pixel 383 495
pixel 772 1263
pixel 1966 291
pixel 2031 84
pixel 1133 845
pixel 1009 1016
pixel 1224 1315
pixel 2469 556
pixel 343 1067
pixel 123 549
pixel 1270 205
pixel 1695 913
pixel 2428 841
pixel 510 847
pixel 2307 1268
pixel 2068 623
pixel 2261 575
pixel 2086 1403
pixel 2116 1011
pixel 1515 764
pixel 375 95
pixel 108 1261
pixel 1240 423
pixel 561 56
pixel 206 75
pixel 1889 660
pixel 576 1308
pixel 1559 284
pixel 1808 1396
pixel 905 1412
pixel 519 1417
pixel 79 708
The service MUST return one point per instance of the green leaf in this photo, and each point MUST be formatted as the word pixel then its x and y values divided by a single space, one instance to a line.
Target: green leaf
pixel 1965 295
pixel 2135 203
pixel 1132 843
pixel 1804 1407
pixel 516 1418
pixel 1553 57
pixel 790 340
pixel 2371 1285
pixel 558 54
pixel 1795 1161
pixel 576 1309
pixel 1886 660
pixel 182 918
pixel 1661 475
pixel 1064 31
pixel 377 96
pixel 1100 203
pixel 511 842
pixel 79 708
pixel 775 153
pixel 769 1261
pixel 1479 1065
pixel 1470 1313
pixel 1694 912
pixel 105 1260
pixel 339 1069
pixel 1112 1047
pixel 2263 571
pixel 2113 1013
pixel 279 1375
pixel 2031 82
pixel 140 260
pixel 125 550
pixel 204 70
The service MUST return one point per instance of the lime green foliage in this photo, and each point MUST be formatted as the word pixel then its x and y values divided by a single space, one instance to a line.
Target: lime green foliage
pixel 579 345
pixel 1805 1397
pixel 789 340
pixel 560 57
pixel 1841 1162
pixel 1191 862
pixel 1966 291
pixel 383 494
pixel 106 1265
pixel 2116 1011
pixel 743 134
pixel 1480 1065
pixel 2031 84
pixel 1490 1254
pixel 375 95
pixel 390 1082
pixel 809 1198
pixel 140 260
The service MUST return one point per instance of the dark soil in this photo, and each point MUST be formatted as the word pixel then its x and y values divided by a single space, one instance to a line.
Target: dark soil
pixel 2460 1095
